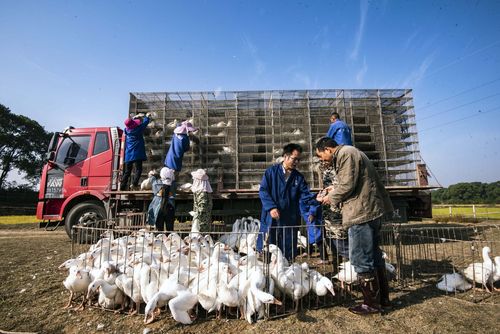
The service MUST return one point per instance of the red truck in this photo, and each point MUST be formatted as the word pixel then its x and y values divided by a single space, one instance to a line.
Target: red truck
pixel 241 134
pixel 82 169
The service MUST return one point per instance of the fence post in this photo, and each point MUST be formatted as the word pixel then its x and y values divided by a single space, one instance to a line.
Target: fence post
pixel 474 211
pixel 450 211
pixel 397 244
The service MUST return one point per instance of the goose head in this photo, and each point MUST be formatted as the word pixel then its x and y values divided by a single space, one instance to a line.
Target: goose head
pixel 486 255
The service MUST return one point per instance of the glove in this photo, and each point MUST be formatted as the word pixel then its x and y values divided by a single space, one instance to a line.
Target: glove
pixel 139 115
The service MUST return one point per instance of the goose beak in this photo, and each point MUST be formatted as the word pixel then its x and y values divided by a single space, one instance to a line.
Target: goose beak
pixel 277 302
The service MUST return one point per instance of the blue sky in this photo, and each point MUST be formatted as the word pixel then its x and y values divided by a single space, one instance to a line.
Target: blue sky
pixel 74 62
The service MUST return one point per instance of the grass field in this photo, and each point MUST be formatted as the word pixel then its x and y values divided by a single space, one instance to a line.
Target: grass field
pixel 484 212
pixel 18 219
pixel 490 212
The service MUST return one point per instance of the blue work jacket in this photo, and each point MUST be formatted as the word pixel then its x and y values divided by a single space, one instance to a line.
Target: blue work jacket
pixel 179 145
pixel 313 228
pixel 340 132
pixel 283 195
pixel 134 142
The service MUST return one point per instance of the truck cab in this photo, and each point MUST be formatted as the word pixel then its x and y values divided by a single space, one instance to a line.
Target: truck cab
pixel 82 167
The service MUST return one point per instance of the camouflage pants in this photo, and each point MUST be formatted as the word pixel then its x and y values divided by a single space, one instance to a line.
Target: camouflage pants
pixel 202 208
pixel 332 215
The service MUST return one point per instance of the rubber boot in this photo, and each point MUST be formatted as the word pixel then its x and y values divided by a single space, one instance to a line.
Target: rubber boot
pixel 385 302
pixel 369 285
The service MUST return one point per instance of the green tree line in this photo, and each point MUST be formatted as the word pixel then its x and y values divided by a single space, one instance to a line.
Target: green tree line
pixel 468 193
pixel 23 144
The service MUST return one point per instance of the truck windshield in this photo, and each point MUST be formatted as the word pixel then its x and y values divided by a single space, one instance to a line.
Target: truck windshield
pixel 72 150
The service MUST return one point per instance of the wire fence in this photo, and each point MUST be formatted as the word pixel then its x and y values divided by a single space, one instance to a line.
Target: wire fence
pixel 466 212
pixel 229 279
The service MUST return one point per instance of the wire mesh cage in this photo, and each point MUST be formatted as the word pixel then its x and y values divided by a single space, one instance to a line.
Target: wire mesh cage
pixel 242 132
pixel 228 275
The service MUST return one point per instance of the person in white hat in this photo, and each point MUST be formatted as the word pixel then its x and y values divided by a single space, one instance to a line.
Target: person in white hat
pixel 202 201
pixel 161 211
pixel 179 145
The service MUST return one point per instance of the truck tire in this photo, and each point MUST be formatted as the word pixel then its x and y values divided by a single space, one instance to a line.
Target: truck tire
pixel 84 213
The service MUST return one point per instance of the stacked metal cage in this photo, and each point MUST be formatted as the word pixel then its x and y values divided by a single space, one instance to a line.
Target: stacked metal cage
pixel 242 132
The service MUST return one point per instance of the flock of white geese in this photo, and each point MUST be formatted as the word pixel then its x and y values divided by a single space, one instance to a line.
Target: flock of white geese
pixel 159 270
pixel 485 273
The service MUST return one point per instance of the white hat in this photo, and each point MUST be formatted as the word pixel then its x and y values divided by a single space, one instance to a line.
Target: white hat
pixel 200 174
pixel 167 175
pixel 185 127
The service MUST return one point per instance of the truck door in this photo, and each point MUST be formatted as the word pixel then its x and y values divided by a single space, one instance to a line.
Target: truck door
pixel 73 157
pixel 100 162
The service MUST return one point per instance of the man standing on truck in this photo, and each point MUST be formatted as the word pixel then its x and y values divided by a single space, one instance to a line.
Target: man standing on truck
pixel 135 152
pixel 339 130
pixel 281 190
pixel 364 201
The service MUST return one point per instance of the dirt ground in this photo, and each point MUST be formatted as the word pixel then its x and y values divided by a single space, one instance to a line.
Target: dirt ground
pixel 32 297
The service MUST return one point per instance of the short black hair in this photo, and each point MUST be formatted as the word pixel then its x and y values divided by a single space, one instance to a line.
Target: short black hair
pixel 289 148
pixel 325 142
pixel 335 114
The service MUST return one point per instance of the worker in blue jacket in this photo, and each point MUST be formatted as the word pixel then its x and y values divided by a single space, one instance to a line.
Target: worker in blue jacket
pixel 281 190
pixel 339 130
pixel 312 214
pixel 179 145
pixel 135 152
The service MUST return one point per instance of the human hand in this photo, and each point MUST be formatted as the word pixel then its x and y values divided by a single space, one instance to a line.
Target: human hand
pixel 311 218
pixel 320 195
pixel 275 214
pixel 148 115
pixel 326 200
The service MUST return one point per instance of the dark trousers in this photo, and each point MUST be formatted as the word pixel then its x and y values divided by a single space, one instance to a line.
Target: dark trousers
pixel 285 237
pixel 166 216
pixel 128 170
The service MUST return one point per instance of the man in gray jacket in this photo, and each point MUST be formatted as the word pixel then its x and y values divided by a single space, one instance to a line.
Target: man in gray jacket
pixel 364 201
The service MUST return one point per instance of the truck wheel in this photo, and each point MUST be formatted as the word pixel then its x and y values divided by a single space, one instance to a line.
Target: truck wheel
pixel 83 214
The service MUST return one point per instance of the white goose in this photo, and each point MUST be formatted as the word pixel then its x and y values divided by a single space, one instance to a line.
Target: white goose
pixel 481 272
pixel 320 284
pixel 132 289
pixel 227 291
pixel 148 282
pixel 173 124
pixel 453 282
pixel 299 275
pixel 77 282
pixel 181 305
pixel 167 291
pixel 256 297
pixel 110 296
pixel 206 289
pixel 231 239
pixel 346 275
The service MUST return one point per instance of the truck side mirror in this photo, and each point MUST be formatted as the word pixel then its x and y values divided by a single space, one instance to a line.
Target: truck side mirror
pixel 53 142
pixel 51 156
